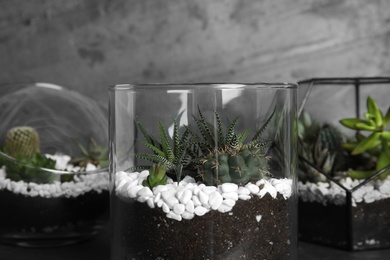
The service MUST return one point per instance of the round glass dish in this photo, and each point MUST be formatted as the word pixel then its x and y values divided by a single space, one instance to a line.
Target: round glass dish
pixel 58 195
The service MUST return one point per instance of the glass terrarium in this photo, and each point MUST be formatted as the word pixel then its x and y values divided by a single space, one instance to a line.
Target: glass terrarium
pixel 344 152
pixel 203 171
pixel 53 166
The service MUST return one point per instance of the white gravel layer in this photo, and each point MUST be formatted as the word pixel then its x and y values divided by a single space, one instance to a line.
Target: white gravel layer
pixel 187 199
pixel 81 184
pixel 324 192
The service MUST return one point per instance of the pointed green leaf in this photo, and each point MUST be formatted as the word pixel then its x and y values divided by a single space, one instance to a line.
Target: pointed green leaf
pixel 221 136
pixel 354 174
pixel 351 122
pixel 261 130
pixel 155 149
pixel 368 143
pixel 165 143
pixel 386 118
pixel 365 126
pixel 368 116
pixel 230 131
pixel 149 138
pixel 349 146
pixel 383 161
pixel 373 109
pixel 371 106
pixel 386 135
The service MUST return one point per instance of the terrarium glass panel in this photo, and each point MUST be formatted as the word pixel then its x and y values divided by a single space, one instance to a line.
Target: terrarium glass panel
pixel 344 151
pixel 203 171
pixel 53 166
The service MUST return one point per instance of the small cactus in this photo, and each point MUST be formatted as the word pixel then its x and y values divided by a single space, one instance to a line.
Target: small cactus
pixel 227 158
pixel 22 141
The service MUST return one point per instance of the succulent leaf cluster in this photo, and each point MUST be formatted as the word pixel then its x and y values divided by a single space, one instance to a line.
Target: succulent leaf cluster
pixel 216 154
pixel 157 176
pixel 170 151
pixel 320 145
pixel 94 153
pixel 376 143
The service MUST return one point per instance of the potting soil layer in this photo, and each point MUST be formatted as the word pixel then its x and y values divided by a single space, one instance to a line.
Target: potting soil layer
pixel 258 228
pixel 361 227
pixel 25 217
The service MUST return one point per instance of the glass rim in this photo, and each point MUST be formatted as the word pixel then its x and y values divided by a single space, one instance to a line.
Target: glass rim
pixel 54 171
pixel 215 85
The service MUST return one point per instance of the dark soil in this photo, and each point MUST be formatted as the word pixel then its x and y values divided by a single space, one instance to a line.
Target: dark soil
pixel 366 226
pixel 144 233
pixel 24 216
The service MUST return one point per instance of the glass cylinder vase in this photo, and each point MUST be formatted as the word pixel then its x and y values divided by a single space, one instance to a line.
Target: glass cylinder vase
pixel 203 171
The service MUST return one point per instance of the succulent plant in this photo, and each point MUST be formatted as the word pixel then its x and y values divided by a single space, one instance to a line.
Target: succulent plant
pixel 320 145
pixel 377 143
pixel 225 157
pixel 157 176
pixel 94 154
pixel 22 143
pixel 170 151
pixel 215 158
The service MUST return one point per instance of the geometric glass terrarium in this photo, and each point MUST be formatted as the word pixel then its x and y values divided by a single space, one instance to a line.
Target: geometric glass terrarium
pixel 344 162
pixel 53 166
pixel 203 171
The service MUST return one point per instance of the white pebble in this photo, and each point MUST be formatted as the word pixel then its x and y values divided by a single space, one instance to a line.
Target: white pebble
pixel 209 189
pixel 258 218
pixel 185 196
pixel 244 197
pixel 157 197
pixel 215 200
pixel 229 202
pixel 254 189
pixel 187 215
pixel 230 195
pixel 200 211
pixel 224 208
pixel 243 191
pixel 204 198
pixel 159 203
pixel 229 187
pixel 190 206
pixel 165 208
pixel 150 203
pixel 196 201
pixel 173 215
pixel 133 190
pixel 145 191
pixel 179 208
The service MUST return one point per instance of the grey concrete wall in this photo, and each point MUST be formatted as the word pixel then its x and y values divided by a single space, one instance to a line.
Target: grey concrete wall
pixel 87 45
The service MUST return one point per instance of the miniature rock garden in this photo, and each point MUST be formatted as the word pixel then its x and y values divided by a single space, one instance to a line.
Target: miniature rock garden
pixel 54 183
pixel 205 191
pixel 344 187
pixel 49 197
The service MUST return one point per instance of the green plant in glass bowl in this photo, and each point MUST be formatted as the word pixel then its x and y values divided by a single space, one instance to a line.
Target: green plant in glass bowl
pixel 54 192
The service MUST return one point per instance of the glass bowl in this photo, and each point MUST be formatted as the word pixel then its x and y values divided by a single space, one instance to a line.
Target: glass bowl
pixel 57 195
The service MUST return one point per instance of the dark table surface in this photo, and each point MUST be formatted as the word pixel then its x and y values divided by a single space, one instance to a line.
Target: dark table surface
pixel 99 249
